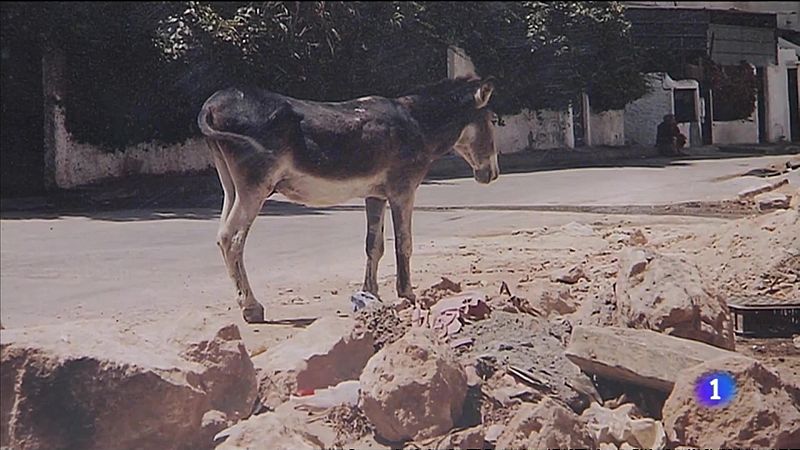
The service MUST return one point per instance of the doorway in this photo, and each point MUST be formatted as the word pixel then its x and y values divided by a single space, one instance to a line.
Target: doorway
pixel 794 105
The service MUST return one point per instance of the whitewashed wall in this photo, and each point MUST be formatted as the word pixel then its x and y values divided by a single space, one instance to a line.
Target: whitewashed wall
pixel 69 163
pixel 642 116
pixel 607 128
pixel 778 124
pixel 78 164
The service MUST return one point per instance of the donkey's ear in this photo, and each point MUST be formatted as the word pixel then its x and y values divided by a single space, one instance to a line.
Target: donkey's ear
pixel 484 93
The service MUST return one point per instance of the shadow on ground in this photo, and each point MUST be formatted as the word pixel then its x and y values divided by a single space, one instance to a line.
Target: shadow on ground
pixel 199 196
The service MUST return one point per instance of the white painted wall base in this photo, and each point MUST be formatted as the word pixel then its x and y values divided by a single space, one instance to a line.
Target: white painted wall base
pixel 743 131
pixel 78 164
pixel 607 128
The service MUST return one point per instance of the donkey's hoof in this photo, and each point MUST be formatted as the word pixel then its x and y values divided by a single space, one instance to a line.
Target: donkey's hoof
pixel 253 313
pixel 409 295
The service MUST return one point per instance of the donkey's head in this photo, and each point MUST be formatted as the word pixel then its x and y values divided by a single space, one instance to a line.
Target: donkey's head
pixel 476 142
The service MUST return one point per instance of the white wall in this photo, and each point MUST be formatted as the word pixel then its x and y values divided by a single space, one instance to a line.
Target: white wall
pixel 77 164
pixel 641 117
pixel 743 131
pixel 530 130
pixel 778 125
pixel 606 128
pixel 69 163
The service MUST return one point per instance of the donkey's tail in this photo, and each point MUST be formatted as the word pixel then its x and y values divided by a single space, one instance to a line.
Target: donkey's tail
pixel 204 121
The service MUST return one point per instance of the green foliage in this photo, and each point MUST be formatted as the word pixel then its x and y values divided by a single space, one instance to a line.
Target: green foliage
pixel 735 89
pixel 140 71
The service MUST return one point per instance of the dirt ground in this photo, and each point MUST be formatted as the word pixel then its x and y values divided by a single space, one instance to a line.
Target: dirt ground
pixel 738 254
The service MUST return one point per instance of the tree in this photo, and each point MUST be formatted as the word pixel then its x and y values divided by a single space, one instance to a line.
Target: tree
pixel 543 53
pixel 140 71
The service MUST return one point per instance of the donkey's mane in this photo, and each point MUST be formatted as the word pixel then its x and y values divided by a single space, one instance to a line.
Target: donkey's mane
pixel 443 87
pixel 438 103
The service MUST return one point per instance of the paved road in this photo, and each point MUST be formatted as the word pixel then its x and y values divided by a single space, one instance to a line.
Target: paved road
pixel 142 262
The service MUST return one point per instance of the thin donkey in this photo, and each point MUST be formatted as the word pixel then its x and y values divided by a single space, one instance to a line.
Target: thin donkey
pixel 321 154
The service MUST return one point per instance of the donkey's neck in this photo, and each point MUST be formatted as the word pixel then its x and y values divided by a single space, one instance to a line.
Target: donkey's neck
pixel 441 127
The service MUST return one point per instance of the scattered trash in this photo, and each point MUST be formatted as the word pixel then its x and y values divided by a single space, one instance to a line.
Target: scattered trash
pixel 450 313
pixel 361 299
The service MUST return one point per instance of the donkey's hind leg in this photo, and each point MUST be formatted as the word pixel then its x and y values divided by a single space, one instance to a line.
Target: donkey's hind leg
pixel 231 240
pixel 225 179
pixel 376 211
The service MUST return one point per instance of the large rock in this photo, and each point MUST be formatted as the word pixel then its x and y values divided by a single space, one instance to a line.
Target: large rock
pixel 641 357
pixel 666 293
pixel 546 424
pixel 764 412
pixel 102 385
pixel 413 388
pixel 619 426
pixel 284 429
pixel 326 353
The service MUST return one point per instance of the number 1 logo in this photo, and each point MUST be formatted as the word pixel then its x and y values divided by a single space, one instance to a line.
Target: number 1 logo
pixel 715 389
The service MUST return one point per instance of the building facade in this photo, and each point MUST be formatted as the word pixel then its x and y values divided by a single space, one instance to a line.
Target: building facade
pixel 698 41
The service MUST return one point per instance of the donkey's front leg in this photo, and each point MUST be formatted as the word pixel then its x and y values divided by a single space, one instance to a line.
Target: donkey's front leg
pixel 376 211
pixel 402 209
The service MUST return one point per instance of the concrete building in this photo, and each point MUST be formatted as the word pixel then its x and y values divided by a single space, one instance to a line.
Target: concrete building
pixel 765 35
pixel 666 96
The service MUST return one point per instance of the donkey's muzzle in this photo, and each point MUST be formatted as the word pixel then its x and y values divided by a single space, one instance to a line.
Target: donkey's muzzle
pixel 486 175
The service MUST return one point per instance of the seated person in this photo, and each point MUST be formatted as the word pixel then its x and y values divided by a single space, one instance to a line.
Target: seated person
pixel 669 139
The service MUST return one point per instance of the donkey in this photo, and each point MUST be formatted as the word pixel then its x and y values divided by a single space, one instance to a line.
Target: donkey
pixel 322 154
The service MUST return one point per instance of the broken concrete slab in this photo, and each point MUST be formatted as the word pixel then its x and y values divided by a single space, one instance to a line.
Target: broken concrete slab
pixel 769 201
pixel 642 357
pixel 760 189
pixel 100 384
pixel 414 388
pixel 331 350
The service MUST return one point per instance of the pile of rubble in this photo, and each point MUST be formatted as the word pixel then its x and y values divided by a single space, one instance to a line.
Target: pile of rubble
pixel 615 370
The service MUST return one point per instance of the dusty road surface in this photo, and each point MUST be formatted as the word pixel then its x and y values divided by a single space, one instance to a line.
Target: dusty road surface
pixel 143 263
